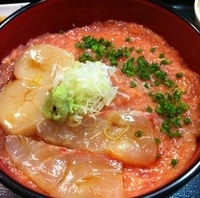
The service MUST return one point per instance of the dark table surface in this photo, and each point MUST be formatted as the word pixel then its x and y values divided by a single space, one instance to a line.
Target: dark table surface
pixel 192 188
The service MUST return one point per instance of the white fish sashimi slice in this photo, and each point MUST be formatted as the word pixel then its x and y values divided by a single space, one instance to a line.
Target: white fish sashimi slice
pixel 110 132
pixel 66 173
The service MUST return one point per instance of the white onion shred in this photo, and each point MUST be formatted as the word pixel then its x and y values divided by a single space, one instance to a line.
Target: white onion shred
pixel 90 86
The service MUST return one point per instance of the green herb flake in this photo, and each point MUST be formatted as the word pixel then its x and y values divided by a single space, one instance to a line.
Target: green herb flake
pixel 79 45
pixel 131 49
pixel 86 57
pixel 153 49
pixel 187 121
pixel 149 109
pixel 157 83
pixel 176 121
pixel 174 162
pixel 146 85
pixel 139 50
pixel 177 134
pixel 138 133
pixel 165 62
pixel 157 141
pixel 133 84
pixel 162 55
pixel 161 75
pixel 128 67
pixel 179 75
pixel 177 95
pixel 128 39
pixel 143 68
pixel 169 83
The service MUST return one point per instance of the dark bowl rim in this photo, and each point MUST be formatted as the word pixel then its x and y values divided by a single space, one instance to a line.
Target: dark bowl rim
pixel 167 189
pixel 19 11
pixel 184 17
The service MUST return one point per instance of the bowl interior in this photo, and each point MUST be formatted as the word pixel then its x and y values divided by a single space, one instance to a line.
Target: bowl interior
pixel 53 16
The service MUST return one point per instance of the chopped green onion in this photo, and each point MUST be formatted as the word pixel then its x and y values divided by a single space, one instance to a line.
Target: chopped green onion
pixel 127 39
pixel 153 49
pixel 179 75
pixel 157 141
pixel 133 84
pixel 165 62
pixel 174 162
pixel 139 50
pixel 128 67
pixel 187 120
pixel 149 109
pixel 138 133
pixel 169 105
pixel 162 55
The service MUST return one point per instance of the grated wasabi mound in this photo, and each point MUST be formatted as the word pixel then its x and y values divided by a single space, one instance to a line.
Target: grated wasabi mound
pixel 58 105
pixel 84 89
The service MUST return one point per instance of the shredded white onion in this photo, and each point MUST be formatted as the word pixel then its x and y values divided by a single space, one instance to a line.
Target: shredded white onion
pixel 89 84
